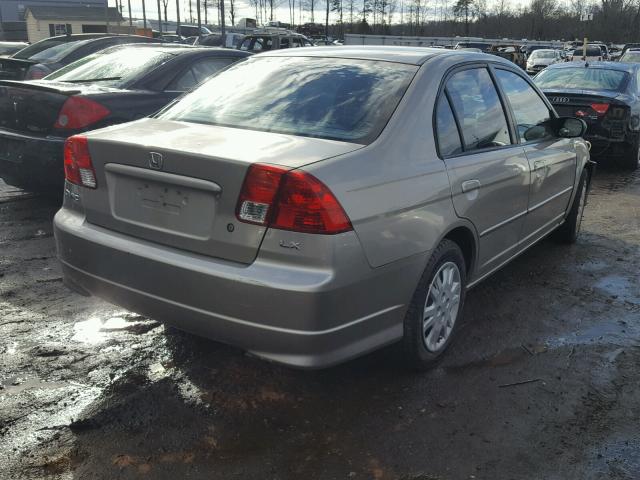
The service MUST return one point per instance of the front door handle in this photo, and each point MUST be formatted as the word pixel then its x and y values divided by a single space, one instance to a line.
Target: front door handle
pixel 470 185
pixel 540 164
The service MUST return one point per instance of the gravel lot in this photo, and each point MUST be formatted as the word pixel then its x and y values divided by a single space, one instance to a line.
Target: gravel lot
pixel 542 384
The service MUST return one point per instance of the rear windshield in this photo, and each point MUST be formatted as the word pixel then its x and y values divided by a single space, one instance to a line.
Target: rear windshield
pixel 543 54
pixel 591 52
pixel 27 52
pixel 582 78
pixel 633 56
pixel 339 99
pixel 113 67
pixel 57 51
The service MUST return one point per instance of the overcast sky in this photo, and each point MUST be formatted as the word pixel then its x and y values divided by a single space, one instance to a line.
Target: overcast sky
pixel 243 9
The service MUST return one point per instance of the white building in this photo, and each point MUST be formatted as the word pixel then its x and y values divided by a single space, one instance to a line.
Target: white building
pixel 44 22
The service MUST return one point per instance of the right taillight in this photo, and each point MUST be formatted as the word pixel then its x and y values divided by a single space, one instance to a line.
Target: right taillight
pixel 78 168
pixel 290 200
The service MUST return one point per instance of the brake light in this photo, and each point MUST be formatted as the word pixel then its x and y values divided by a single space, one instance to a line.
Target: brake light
pixel 80 112
pixel 290 200
pixel 36 73
pixel 78 168
pixel 600 108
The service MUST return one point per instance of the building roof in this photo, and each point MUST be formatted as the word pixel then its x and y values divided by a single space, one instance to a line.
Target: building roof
pixel 80 13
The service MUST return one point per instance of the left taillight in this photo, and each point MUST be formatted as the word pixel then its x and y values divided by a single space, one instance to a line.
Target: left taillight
pixel 78 168
pixel 600 108
pixel 36 72
pixel 294 200
pixel 80 112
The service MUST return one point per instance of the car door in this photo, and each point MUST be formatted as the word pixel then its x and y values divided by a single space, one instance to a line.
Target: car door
pixel 488 171
pixel 552 159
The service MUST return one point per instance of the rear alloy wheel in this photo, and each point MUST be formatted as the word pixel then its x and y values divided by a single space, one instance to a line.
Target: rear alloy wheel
pixel 631 158
pixel 568 232
pixel 436 307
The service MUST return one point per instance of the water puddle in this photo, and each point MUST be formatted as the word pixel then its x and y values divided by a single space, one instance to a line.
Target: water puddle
pixel 18 385
pixel 619 287
pixel 606 182
pixel 96 330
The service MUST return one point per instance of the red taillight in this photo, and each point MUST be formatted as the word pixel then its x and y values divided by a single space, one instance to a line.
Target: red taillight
pixel 80 112
pixel 78 168
pixel 600 108
pixel 290 200
pixel 36 73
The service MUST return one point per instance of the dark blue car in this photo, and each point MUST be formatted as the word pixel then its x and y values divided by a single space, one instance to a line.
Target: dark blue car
pixel 605 95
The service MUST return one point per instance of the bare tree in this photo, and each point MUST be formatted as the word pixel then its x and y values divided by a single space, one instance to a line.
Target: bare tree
pixel 464 9
pixel 232 12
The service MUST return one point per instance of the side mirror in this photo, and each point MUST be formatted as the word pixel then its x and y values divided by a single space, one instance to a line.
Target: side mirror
pixel 570 127
pixel 537 132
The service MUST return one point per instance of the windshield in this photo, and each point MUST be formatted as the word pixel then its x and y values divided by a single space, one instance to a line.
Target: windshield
pixel 581 78
pixel 113 67
pixel 633 57
pixel 591 52
pixel 543 54
pixel 348 100
pixel 57 51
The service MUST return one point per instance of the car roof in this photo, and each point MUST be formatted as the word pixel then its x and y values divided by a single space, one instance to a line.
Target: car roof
pixel 621 66
pixel 180 49
pixel 409 55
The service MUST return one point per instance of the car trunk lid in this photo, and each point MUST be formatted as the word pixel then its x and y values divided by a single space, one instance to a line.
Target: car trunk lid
pixel 32 108
pixel 600 109
pixel 178 184
pixel 14 68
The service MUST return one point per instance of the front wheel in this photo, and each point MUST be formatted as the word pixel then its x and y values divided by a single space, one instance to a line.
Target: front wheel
pixel 436 308
pixel 568 232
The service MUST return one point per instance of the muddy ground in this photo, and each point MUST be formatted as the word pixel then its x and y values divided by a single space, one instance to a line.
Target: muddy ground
pixel 542 384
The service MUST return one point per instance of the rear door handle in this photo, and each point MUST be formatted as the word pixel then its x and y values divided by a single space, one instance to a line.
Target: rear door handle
pixel 469 185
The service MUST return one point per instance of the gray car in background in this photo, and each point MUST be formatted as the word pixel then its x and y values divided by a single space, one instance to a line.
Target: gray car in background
pixel 311 205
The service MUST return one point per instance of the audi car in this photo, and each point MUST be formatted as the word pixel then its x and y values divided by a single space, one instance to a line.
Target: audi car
pixel 605 95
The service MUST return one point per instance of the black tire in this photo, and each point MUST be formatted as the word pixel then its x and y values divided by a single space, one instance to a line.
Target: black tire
pixel 631 156
pixel 568 232
pixel 417 354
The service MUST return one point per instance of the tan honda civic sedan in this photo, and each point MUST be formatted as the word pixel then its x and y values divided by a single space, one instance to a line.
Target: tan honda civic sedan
pixel 311 205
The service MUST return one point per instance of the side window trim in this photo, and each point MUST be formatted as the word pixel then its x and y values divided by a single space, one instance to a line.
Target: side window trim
pixel 512 120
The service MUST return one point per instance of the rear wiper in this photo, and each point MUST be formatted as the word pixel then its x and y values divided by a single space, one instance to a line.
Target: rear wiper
pixel 89 80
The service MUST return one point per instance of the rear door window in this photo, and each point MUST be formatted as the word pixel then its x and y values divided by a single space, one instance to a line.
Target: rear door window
pixel 478 109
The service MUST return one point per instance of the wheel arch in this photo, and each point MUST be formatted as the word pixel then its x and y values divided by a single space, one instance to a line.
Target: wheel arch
pixel 465 236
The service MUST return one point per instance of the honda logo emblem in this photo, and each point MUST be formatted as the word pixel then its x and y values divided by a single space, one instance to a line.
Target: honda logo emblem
pixel 155 160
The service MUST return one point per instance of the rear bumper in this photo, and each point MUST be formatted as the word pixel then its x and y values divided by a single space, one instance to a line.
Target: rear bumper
pixel 32 162
pixel 302 316
pixel 611 145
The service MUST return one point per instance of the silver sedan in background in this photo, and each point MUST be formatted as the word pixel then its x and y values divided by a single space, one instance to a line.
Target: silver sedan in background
pixel 336 201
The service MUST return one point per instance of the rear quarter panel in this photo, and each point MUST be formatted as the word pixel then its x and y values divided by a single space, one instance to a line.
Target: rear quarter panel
pixel 396 190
